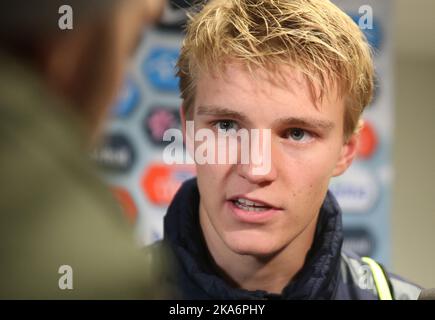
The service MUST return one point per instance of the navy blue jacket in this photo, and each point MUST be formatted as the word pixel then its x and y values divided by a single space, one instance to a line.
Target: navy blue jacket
pixel 328 272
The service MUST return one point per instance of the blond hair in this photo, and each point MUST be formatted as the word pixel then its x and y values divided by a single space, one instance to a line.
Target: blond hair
pixel 313 36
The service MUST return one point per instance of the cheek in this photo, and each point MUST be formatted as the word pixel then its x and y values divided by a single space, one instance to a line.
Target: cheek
pixel 307 177
pixel 211 178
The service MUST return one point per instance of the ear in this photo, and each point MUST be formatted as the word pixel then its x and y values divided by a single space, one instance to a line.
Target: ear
pixel 62 62
pixel 154 9
pixel 349 151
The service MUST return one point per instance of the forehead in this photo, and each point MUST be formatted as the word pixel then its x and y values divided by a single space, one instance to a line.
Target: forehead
pixel 267 94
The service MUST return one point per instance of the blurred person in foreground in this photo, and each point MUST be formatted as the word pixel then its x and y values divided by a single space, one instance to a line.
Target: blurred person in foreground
pixel 55 89
pixel 303 70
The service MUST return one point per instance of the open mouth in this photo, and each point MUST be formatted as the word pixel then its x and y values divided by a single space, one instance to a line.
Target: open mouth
pixel 249 205
pixel 252 211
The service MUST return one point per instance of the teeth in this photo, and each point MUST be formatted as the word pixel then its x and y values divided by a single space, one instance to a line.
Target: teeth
pixel 249 208
pixel 247 202
pixel 248 205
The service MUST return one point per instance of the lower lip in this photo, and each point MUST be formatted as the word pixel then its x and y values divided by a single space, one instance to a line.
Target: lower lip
pixel 251 216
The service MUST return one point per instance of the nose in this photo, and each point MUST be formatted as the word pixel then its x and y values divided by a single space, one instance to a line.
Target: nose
pixel 248 172
pixel 259 169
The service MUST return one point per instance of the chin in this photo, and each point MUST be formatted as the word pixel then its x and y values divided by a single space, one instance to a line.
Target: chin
pixel 247 243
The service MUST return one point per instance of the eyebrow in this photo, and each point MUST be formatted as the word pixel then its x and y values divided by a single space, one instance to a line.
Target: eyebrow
pixel 304 122
pixel 308 123
pixel 222 112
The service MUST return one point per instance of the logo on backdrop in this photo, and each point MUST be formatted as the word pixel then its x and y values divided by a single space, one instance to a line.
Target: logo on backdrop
pixel 159 68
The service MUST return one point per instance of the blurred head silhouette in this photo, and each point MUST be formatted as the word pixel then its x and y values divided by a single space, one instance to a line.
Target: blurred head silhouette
pixel 83 63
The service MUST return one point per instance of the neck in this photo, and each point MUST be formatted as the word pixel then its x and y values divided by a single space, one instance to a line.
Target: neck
pixel 268 273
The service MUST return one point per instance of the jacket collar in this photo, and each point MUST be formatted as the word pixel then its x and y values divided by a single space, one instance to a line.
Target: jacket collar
pixel 318 278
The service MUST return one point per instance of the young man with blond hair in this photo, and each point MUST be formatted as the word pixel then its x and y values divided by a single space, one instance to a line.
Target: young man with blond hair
pixel 303 70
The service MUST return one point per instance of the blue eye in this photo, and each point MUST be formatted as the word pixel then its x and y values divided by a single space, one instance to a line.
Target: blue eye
pixel 226 125
pixel 298 134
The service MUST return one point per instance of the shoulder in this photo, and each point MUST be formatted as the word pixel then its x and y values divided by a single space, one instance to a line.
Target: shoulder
pixel 361 274
pixel 161 258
